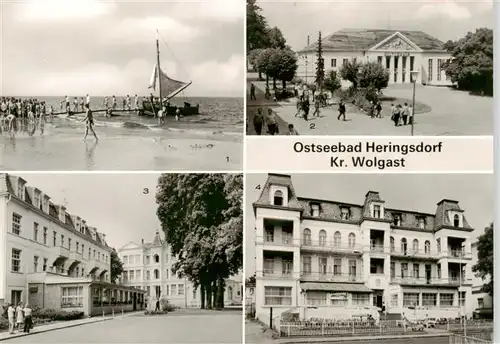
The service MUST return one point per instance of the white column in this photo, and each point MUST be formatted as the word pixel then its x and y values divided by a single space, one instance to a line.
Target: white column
pixel 408 69
pixel 400 69
pixel 391 69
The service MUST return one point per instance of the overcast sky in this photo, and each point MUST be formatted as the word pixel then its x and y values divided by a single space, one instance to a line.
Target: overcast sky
pixel 57 47
pixel 418 192
pixel 113 203
pixel 443 19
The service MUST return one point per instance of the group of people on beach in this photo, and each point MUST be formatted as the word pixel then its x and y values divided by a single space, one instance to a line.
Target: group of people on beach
pixel 19 317
pixel 89 117
pixel 15 110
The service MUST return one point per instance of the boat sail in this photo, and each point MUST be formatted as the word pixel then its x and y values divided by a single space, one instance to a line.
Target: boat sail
pixel 167 88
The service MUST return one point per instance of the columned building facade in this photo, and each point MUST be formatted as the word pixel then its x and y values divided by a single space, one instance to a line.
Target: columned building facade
pixel 400 52
pixel 50 257
pixel 149 266
pixel 329 259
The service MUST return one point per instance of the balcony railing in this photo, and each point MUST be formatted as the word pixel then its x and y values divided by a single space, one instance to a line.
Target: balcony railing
pixel 61 251
pixel 454 281
pixel 277 273
pixel 328 245
pixel 455 253
pixel 284 240
pixel 77 256
pixel 331 277
pixel 377 248
pixel 410 252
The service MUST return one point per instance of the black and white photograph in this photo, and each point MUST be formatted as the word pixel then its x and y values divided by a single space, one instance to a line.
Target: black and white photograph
pixel 158 259
pixel 395 68
pixel 386 258
pixel 122 85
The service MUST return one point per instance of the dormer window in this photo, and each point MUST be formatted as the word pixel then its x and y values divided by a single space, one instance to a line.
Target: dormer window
pixel 376 211
pixel 278 198
pixel 397 220
pixel 37 199
pixel 315 210
pixel 20 190
pixel 345 213
pixel 456 220
pixel 421 222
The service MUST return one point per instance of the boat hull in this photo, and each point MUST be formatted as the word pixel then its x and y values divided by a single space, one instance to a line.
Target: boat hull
pixel 186 110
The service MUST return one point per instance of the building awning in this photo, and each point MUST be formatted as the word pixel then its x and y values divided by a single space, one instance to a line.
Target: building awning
pixel 336 287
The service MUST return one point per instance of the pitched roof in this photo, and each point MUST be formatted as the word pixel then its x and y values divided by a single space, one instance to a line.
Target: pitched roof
pixel 281 180
pixel 364 39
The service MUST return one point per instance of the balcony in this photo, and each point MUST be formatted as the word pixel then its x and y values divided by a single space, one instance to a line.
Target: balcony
pixel 414 254
pixel 274 273
pixel 328 246
pixel 455 254
pixel 281 243
pixel 60 252
pixel 377 250
pixel 411 281
pixel 75 256
pixel 331 277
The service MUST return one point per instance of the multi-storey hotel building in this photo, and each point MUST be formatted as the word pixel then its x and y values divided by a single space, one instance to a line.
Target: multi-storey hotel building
pixel 51 258
pixel 149 266
pixel 400 52
pixel 325 258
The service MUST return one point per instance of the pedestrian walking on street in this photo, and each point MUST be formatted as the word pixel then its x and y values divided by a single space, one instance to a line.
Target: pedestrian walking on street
pixel 258 121
pixel 379 110
pixel 305 107
pixel 19 316
pixel 252 92
pixel 405 114
pixel 157 307
pixel 11 312
pixel 341 110
pixel 272 125
pixel 28 323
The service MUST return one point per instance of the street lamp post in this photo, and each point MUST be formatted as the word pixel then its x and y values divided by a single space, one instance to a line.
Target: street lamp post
pixel 414 76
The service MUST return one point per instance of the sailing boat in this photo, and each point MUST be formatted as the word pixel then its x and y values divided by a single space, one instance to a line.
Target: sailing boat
pixel 168 88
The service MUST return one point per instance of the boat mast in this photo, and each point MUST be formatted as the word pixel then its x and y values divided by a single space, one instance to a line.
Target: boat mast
pixel 158 65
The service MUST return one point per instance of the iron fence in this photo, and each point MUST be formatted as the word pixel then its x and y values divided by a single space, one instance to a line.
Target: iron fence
pixel 341 327
pixel 459 339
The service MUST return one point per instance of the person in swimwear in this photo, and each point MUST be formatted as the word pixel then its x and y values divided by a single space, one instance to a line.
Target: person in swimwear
pixel 89 122
pixel 10 120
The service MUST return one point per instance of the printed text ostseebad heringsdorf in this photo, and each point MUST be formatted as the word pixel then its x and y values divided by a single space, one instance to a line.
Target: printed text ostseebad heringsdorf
pixel 356 153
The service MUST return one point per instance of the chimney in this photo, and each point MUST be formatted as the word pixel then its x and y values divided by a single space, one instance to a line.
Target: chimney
pixel 103 237
pixel 62 213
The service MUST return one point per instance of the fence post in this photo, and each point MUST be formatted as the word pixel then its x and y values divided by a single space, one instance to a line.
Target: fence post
pixel 288 331
pixel 103 313
pixel 271 318
pixel 353 328
pixel 322 328
pixel 113 313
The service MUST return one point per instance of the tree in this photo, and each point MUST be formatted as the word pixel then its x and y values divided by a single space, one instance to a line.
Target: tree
pixel 275 38
pixel 116 266
pixel 484 266
pixel 320 64
pixel 471 65
pixel 373 75
pixel 257 32
pixel 202 218
pixel 263 63
pixel 252 59
pixel 250 280
pixel 349 71
pixel 285 64
pixel 332 81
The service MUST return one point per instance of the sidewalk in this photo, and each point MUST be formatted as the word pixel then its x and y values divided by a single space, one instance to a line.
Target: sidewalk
pixel 61 325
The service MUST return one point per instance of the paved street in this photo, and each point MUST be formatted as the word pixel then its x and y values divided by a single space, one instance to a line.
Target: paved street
pixel 213 327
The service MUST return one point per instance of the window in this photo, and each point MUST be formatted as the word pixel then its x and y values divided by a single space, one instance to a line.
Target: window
pixel 397 220
pixel 286 237
pixel 430 70
pixel 416 270
pixel 337 266
pixel 94 254
pixel 352 240
pixel 336 239
pixel 306 264
pixel 323 267
pixel 410 299
pixel 394 300
pixel 376 211
pixel 427 247
pixel 138 274
pixel 380 59
pixel 403 246
pixel 131 275
pixel 35 231
pixel 333 63
pixel 278 296
pixel 173 289
pixel 268 266
pixel 439 271
pixel 98 256
pixel 421 222
pixel 148 275
pixel 45 229
pixel 83 249
pixel 438 244
pixel 269 234
pixel 37 199
pixel 322 237
pixel 180 289
pixel 393 269
pixel 16 223
pixel 157 274
pixel 404 270
pixel 345 213
pixel 429 299
pixel 456 220
pixel 315 210
pixel 16 260
pixel 156 258
pixel 90 250
pixel 69 244
pixel 360 299
pixel 461 298
pixel 316 298
pixel 71 297
pixel 44 268
pixel 20 189
pixel 307 236
pixel 439 68
pixel 278 198
pixel 415 246
pixel 286 267
pixel 345 61
pixel 352 269
pixel 446 299
pixel 480 302
pixel 77 246
pixel 412 63
pixel 392 244
pixel 62 240
pixel 35 264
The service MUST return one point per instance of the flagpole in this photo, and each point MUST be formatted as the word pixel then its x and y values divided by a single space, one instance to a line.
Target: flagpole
pixel 158 64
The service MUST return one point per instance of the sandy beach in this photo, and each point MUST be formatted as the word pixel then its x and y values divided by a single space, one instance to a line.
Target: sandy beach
pixel 61 147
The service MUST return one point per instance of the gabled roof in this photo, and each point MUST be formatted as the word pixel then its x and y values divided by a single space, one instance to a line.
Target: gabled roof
pixel 281 180
pixel 364 39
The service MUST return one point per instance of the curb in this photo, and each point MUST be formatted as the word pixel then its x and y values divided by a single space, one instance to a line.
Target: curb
pixel 52 329
pixel 359 339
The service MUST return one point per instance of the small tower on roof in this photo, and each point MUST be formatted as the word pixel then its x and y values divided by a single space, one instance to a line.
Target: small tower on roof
pixel 157 239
